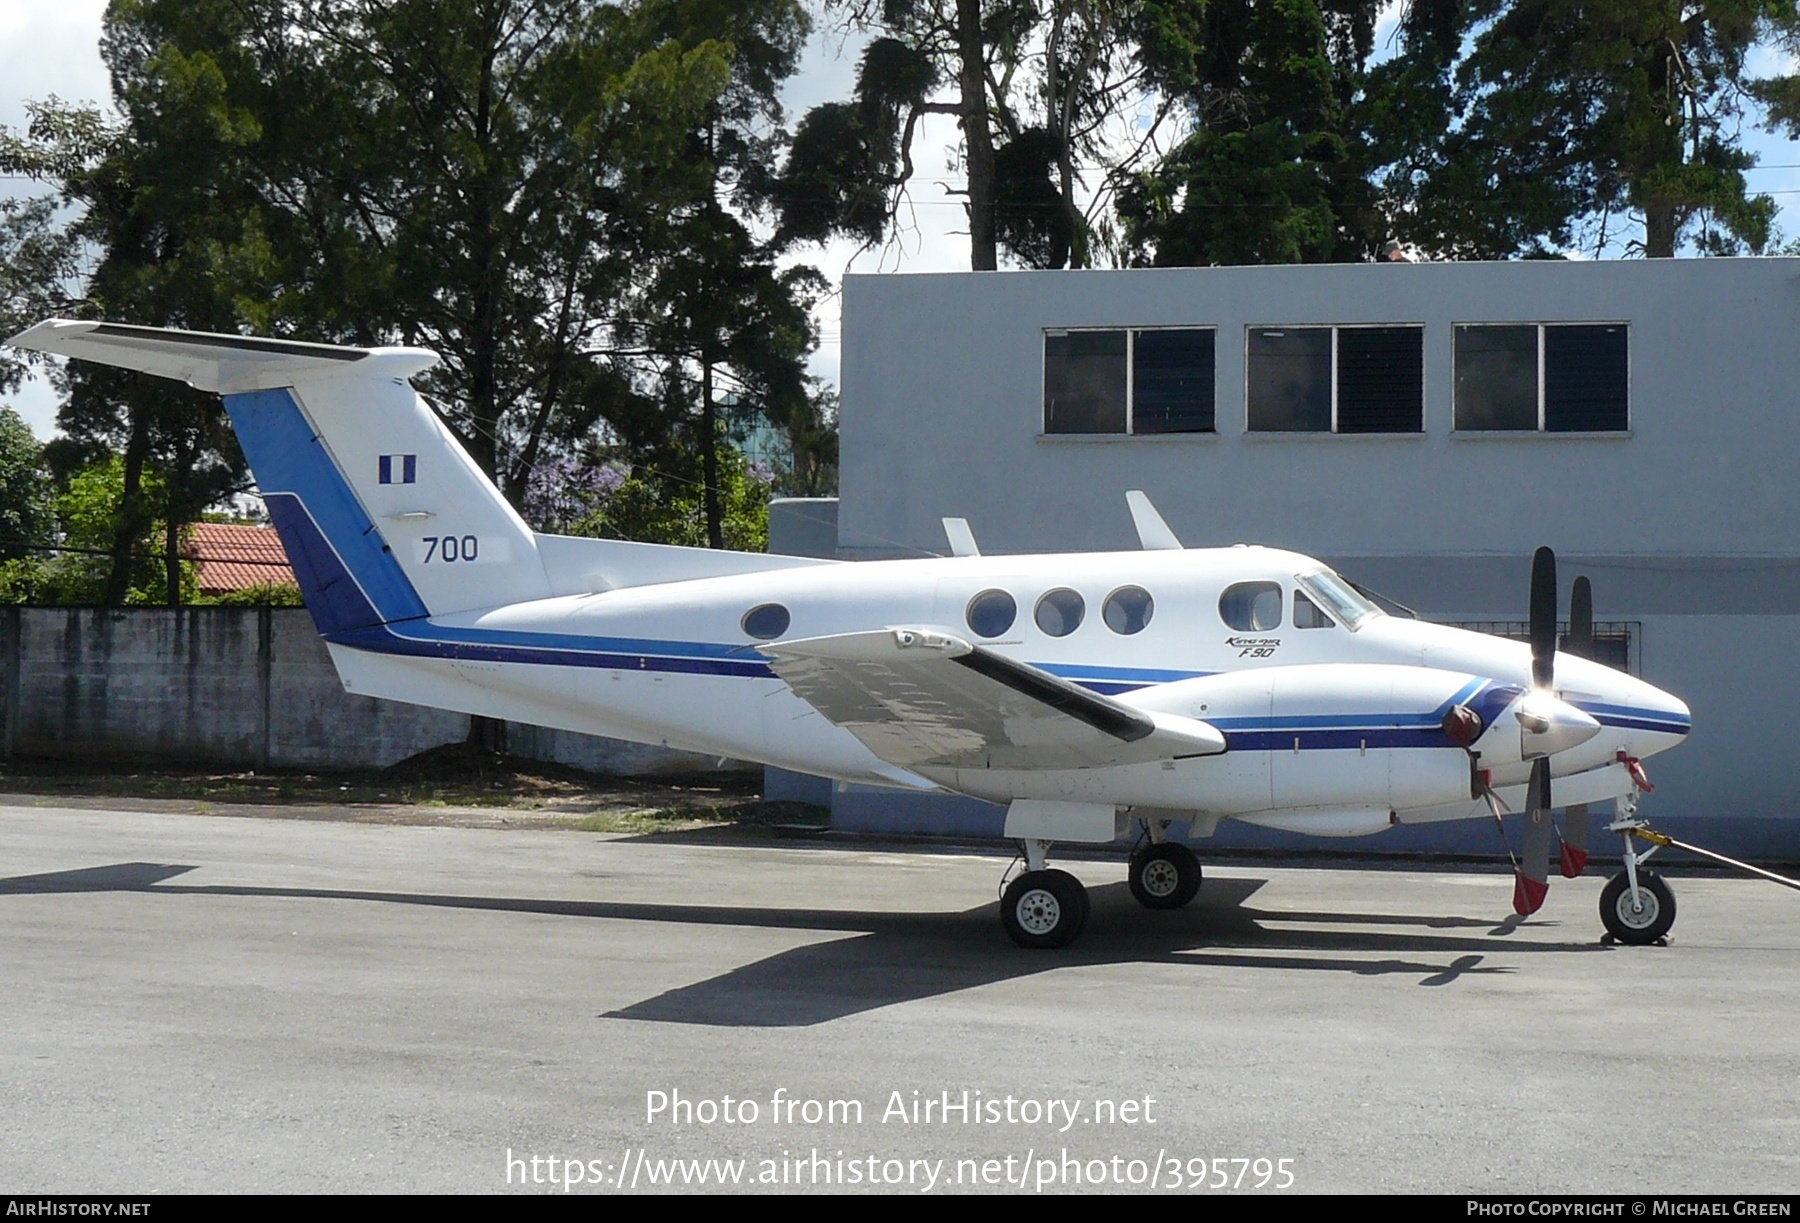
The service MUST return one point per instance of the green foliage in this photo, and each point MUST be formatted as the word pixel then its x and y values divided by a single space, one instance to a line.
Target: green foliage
pixel 24 488
pixel 1274 168
pixel 1515 127
pixel 649 505
pixel 508 182
pixel 87 510
pixel 264 594
pixel 37 270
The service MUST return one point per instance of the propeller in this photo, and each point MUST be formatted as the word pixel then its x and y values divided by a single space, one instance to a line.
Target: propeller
pixel 1580 644
pixel 1532 879
pixel 1532 876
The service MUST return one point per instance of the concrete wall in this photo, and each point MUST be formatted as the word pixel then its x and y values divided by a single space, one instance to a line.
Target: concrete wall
pixel 230 687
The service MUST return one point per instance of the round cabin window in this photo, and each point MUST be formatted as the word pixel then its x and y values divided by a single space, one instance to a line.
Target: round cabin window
pixel 767 621
pixel 1059 613
pixel 1128 609
pixel 991 613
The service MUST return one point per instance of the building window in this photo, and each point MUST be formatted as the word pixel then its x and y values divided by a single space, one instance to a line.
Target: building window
pixel 1543 377
pixel 1336 379
pixel 1148 381
pixel 1172 380
pixel 1084 382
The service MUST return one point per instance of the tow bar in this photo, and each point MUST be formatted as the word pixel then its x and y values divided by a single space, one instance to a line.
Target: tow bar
pixel 1661 840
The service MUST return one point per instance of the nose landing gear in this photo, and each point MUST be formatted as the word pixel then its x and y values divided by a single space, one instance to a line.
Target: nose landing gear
pixel 1636 906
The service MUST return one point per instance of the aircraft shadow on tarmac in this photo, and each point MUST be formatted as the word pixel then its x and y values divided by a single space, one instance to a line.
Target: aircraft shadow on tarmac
pixel 903 957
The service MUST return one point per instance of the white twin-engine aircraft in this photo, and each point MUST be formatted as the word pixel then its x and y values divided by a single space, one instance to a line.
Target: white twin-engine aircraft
pixel 1094 693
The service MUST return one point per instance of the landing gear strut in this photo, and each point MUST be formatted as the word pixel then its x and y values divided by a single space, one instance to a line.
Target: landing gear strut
pixel 1042 907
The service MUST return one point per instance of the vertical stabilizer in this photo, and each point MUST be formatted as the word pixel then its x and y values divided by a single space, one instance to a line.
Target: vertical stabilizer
pixel 383 513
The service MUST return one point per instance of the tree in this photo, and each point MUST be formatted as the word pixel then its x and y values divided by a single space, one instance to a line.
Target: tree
pixel 176 245
pixel 1273 167
pixel 38 267
pixel 1529 126
pixel 850 160
pixel 725 329
pixel 24 505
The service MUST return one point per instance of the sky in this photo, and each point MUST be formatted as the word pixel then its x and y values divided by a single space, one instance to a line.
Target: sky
pixel 51 47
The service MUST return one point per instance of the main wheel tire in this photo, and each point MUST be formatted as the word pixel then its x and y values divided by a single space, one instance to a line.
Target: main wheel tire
pixel 1044 909
pixel 1165 876
pixel 1637 926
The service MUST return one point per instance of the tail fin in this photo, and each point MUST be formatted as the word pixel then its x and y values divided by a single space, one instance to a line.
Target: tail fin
pixel 383 513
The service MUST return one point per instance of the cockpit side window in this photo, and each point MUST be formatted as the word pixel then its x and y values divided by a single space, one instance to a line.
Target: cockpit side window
pixel 1307 613
pixel 1251 607
pixel 1338 597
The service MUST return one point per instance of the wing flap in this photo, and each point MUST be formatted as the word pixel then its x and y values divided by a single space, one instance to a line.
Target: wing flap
pixel 918 696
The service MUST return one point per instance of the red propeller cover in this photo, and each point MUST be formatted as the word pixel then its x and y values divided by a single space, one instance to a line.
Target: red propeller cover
pixel 1528 894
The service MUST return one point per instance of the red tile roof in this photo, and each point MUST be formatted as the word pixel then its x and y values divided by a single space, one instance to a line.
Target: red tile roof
pixel 234 557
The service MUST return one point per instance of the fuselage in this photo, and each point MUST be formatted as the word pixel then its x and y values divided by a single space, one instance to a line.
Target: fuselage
pixel 1332 709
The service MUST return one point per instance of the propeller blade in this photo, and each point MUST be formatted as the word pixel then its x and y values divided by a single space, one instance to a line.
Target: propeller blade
pixel 1575 839
pixel 1581 644
pixel 1543 619
pixel 1581 620
pixel 1537 790
pixel 1532 883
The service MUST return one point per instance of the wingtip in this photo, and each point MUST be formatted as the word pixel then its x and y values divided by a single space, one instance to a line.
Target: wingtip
pixel 35 337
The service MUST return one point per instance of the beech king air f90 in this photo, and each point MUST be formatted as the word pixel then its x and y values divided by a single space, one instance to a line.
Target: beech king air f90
pixel 1092 693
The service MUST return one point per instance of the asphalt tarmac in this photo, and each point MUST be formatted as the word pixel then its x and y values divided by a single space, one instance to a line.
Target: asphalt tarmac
pixel 211 1003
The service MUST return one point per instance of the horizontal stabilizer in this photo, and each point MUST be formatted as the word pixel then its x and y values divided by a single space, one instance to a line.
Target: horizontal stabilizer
pixel 224 364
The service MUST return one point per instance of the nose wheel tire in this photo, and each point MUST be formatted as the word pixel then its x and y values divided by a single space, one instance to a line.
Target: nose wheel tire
pixel 1647 922
pixel 1044 909
pixel 1164 876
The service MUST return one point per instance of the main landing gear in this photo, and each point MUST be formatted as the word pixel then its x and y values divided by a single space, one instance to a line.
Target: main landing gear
pixel 1048 908
pixel 1042 907
pixel 1164 875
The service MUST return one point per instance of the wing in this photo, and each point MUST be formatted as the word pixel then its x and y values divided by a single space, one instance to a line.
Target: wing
pixel 919 696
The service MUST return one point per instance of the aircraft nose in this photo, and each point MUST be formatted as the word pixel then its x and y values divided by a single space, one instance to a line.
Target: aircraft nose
pixel 1548 725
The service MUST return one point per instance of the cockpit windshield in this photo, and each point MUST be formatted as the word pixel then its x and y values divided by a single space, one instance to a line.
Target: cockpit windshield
pixel 1339 598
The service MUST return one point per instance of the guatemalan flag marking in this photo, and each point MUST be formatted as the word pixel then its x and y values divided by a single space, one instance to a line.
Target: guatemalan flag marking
pixel 399 469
